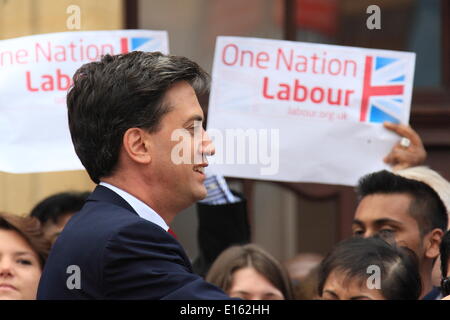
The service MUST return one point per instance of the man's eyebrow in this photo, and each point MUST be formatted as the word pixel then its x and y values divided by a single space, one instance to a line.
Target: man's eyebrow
pixel 381 222
pixel 245 293
pixel 359 298
pixel 196 117
pixel 272 294
pixel 378 222
pixel 331 292
pixel 358 222
pixel 22 253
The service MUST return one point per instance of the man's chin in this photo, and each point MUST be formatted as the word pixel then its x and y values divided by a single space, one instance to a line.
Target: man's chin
pixel 10 296
pixel 201 194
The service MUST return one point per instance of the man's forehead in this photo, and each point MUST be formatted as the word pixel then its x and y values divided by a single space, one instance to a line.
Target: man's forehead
pixel 179 92
pixel 384 206
pixel 386 200
pixel 182 102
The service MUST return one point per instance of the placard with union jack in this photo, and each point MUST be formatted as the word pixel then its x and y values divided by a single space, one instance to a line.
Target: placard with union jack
pixel 35 74
pixel 326 103
pixel 383 95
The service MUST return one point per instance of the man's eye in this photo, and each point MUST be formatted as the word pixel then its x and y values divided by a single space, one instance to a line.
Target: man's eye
pixel 358 233
pixel 194 128
pixel 25 262
pixel 387 234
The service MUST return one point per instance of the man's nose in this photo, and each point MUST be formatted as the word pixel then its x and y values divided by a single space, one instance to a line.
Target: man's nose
pixel 6 268
pixel 368 234
pixel 207 147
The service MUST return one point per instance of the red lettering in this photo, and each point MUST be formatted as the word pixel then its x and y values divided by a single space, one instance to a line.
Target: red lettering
pixel 337 101
pixel 299 93
pixel 314 59
pixel 3 56
pixel 60 56
pixel 353 63
pixel 72 51
pixel 248 53
pixel 301 88
pixel 46 54
pixel 280 56
pixel 81 50
pixel 88 51
pixel 284 94
pixel 330 71
pixel 29 87
pixel 314 63
pixel 47 85
pixel 231 55
pixel 262 57
pixel 224 54
pixel 265 85
pixel 324 62
pixel 347 96
pixel 301 66
pixel 313 95
pixel 61 77
pixel 21 54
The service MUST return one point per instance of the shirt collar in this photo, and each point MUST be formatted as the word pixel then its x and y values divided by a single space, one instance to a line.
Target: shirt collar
pixel 143 210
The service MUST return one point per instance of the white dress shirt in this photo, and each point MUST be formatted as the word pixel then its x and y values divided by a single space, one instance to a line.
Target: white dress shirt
pixel 143 210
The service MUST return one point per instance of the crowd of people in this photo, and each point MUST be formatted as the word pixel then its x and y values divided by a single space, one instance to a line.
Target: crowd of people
pixel 122 111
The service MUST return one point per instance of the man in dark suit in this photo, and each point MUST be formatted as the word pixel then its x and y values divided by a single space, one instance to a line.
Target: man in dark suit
pixel 136 126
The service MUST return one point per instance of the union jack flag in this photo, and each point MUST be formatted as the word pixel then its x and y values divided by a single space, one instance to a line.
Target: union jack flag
pixel 141 44
pixel 383 88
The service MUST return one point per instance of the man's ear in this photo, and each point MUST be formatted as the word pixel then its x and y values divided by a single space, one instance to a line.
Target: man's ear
pixel 136 143
pixel 432 243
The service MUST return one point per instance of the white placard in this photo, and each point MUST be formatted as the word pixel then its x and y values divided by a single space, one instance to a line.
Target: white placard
pixel 304 112
pixel 35 73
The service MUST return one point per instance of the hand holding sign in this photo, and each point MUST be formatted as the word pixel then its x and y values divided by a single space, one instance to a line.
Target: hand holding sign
pixel 402 157
pixel 303 112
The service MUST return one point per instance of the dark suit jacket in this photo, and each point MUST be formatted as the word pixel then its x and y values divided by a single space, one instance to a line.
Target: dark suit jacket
pixel 219 227
pixel 120 256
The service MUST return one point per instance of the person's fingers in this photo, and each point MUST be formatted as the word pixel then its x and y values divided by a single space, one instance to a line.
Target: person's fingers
pixel 400 166
pixel 399 155
pixel 398 128
pixel 412 135
pixel 389 125
pixel 393 156
pixel 404 131
pixel 389 159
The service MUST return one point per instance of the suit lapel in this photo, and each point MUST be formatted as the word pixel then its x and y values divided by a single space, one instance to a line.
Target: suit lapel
pixel 105 194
